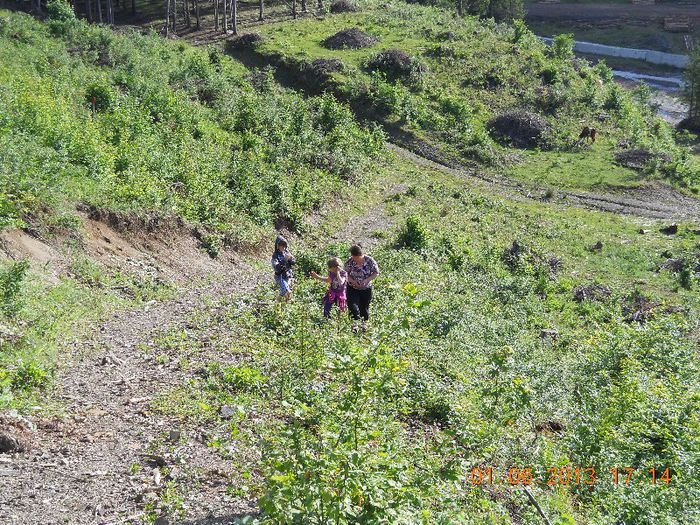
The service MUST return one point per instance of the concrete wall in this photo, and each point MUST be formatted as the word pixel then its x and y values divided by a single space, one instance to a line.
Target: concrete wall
pixel 648 55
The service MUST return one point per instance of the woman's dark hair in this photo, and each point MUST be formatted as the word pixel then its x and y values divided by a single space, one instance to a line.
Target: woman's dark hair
pixel 356 250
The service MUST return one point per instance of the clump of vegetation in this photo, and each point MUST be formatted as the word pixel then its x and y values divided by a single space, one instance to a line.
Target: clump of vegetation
pixel 352 38
pixel 11 279
pixel 413 235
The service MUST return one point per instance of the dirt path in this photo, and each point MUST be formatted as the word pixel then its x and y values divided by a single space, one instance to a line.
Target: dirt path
pixel 111 455
pixel 660 202
pixel 81 469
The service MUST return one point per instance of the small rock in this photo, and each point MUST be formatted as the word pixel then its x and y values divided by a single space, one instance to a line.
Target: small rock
pixel 550 426
pixel 228 411
pixel 9 444
pixel 174 435
pixel 597 247
pixel 550 334
pixel 642 231
pixel 162 520
pixel 671 229
pixel 137 400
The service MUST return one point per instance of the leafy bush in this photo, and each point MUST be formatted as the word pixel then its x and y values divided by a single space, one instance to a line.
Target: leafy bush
pixel 11 279
pixel 413 234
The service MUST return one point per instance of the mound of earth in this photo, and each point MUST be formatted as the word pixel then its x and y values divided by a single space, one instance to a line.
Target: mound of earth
pixel 394 63
pixel 638 159
pixel 343 6
pixel 245 41
pixel 521 129
pixel 351 38
pixel 319 71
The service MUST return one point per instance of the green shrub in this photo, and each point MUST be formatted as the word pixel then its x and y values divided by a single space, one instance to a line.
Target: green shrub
pixel 100 97
pixel 11 279
pixel 413 235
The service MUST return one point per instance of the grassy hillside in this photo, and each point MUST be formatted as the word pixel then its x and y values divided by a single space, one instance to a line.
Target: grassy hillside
pixel 536 340
pixel 173 129
pixel 460 73
pixel 477 356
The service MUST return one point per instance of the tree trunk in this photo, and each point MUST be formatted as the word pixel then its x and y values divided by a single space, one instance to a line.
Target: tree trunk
pixel 460 7
pixel 186 12
pixel 303 7
pixel 196 12
pixel 88 9
pixel 167 18
pixel 225 16
pixel 216 15
pixel 294 9
pixel 174 11
pixel 234 16
pixel 261 17
pixel 99 11
pixel 110 12
pixel 133 7
pixel 320 5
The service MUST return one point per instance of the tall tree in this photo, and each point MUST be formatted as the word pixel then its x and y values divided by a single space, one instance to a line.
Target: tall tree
pixel 234 16
pixel 261 16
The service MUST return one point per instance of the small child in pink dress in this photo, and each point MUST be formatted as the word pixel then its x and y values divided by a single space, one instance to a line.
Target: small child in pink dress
pixel 337 279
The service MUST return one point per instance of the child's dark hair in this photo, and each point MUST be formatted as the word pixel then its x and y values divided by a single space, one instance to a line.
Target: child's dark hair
pixel 334 262
pixel 356 250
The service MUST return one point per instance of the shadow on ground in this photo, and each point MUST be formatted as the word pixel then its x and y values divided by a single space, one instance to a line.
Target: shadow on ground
pixel 231 519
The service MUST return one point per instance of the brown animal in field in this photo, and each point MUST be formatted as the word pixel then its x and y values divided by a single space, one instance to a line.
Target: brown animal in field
pixel 587 134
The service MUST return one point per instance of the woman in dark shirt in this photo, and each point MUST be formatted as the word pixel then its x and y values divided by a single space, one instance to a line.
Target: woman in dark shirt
pixel 362 270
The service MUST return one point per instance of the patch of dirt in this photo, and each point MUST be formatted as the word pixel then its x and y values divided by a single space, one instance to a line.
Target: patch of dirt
pixel 366 229
pixel 351 38
pixel 17 244
pixel 591 292
pixel 81 467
